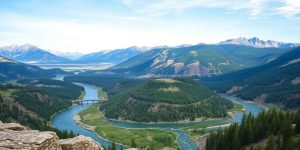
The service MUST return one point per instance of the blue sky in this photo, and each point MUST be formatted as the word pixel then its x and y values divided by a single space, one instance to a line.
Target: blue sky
pixel 93 25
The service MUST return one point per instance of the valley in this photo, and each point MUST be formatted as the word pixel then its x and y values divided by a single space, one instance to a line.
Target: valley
pixel 111 129
pixel 150 75
pixel 162 110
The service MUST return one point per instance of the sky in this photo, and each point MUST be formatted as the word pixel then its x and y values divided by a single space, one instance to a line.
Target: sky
pixel 93 25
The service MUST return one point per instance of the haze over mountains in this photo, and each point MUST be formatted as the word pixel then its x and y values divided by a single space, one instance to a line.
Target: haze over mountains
pixel 185 60
pixel 11 70
pixel 114 56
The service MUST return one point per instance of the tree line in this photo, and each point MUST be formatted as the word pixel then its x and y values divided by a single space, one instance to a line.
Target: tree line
pixel 276 126
pixel 41 104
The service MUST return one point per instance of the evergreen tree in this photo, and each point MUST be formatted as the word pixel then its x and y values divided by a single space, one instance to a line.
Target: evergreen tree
pixel 297 121
pixel 1 99
pixel 259 147
pixel 133 144
pixel 113 146
pixel 287 142
pixel 252 130
pixel 152 147
pixel 278 142
pixel 271 143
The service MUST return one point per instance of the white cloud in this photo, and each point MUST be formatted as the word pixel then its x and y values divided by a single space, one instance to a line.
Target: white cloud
pixel 290 8
pixel 76 36
pixel 254 7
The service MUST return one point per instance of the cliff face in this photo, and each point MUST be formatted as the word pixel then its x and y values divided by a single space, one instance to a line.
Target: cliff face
pixel 15 136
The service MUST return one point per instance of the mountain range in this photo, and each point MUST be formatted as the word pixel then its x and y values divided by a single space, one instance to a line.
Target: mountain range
pixel 11 70
pixel 114 56
pixel 31 54
pixel 197 60
pixel 256 42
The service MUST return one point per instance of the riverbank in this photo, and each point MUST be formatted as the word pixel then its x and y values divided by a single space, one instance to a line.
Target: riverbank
pixel 94 120
pixel 65 120
pixel 237 108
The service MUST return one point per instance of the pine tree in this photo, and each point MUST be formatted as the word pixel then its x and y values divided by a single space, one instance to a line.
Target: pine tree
pixel 297 121
pixel 271 143
pixel 259 147
pixel 287 142
pixel 152 147
pixel 133 144
pixel 1 99
pixel 278 142
pixel 113 146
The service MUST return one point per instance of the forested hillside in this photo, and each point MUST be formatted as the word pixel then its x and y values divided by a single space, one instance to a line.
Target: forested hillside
pixel 275 82
pixel 59 89
pixel 197 60
pixel 34 105
pixel 281 130
pixel 159 100
pixel 112 84
pixel 11 70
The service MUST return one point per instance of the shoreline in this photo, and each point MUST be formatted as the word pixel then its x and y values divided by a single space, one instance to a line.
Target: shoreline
pixel 77 120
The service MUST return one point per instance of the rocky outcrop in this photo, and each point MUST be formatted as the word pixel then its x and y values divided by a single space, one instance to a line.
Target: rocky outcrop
pixel 15 136
pixel 28 140
pixel 11 126
pixel 78 143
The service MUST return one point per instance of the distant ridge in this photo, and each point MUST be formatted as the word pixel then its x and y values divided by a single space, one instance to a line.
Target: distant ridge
pixel 275 82
pixel 28 53
pixel 11 70
pixel 113 56
pixel 258 43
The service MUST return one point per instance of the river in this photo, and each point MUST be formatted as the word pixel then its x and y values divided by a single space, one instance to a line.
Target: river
pixel 64 120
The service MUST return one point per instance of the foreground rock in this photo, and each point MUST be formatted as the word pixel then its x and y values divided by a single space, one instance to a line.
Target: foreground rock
pixel 78 143
pixel 11 126
pixel 15 136
pixel 28 139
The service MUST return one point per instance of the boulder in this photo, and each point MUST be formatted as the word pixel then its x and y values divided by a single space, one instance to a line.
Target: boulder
pixel 79 143
pixel 15 136
pixel 29 140
pixel 11 126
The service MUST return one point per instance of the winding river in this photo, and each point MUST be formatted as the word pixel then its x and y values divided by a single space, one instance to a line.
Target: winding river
pixel 64 120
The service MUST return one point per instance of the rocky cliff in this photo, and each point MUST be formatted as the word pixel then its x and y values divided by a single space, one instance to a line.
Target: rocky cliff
pixel 16 136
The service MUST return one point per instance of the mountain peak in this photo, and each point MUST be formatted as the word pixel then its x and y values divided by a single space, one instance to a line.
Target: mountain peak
pixel 29 54
pixel 256 42
pixel 23 47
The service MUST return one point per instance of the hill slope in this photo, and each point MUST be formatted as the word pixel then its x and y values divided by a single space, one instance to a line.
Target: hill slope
pixel 29 54
pixel 199 60
pixel 275 82
pixel 166 100
pixel 15 70
pixel 36 101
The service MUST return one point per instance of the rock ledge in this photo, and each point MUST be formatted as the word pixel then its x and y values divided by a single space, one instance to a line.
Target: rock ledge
pixel 15 136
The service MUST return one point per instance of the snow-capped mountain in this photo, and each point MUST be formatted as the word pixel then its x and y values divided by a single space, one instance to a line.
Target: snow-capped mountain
pixel 256 42
pixel 113 56
pixel 29 54
pixel 67 55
